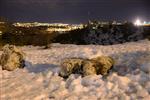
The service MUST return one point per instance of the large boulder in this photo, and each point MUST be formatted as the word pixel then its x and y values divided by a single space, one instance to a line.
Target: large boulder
pixel 99 65
pixel 12 58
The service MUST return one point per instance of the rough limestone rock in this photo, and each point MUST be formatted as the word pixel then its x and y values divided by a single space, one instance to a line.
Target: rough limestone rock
pixel 106 63
pixel 12 58
pixel 100 65
pixel 91 67
pixel 70 66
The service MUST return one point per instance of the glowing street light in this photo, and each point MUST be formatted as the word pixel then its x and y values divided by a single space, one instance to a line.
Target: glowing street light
pixel 138 22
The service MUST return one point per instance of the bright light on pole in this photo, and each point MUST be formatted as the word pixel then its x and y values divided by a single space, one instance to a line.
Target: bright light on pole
pixel 138 22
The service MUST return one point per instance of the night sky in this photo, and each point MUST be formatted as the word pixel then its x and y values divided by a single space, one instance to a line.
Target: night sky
pixel 74 11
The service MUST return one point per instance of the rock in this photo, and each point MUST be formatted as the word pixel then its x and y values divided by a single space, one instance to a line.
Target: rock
pixel 106 63
pixel 12 58
pixel 90 67
pixel 99 65
pixel 70 66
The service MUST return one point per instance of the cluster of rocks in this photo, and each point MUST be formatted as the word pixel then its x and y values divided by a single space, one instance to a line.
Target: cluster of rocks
pixel 99 65
pixel 13 58
pixel 113 34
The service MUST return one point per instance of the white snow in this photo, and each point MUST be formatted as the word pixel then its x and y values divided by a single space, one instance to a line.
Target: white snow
pixel 39 80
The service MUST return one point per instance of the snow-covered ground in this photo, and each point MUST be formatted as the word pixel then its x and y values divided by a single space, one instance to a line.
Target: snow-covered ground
pixel 39 80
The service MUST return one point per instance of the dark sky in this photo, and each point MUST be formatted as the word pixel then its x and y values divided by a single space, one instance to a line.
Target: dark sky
pixel 74 11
